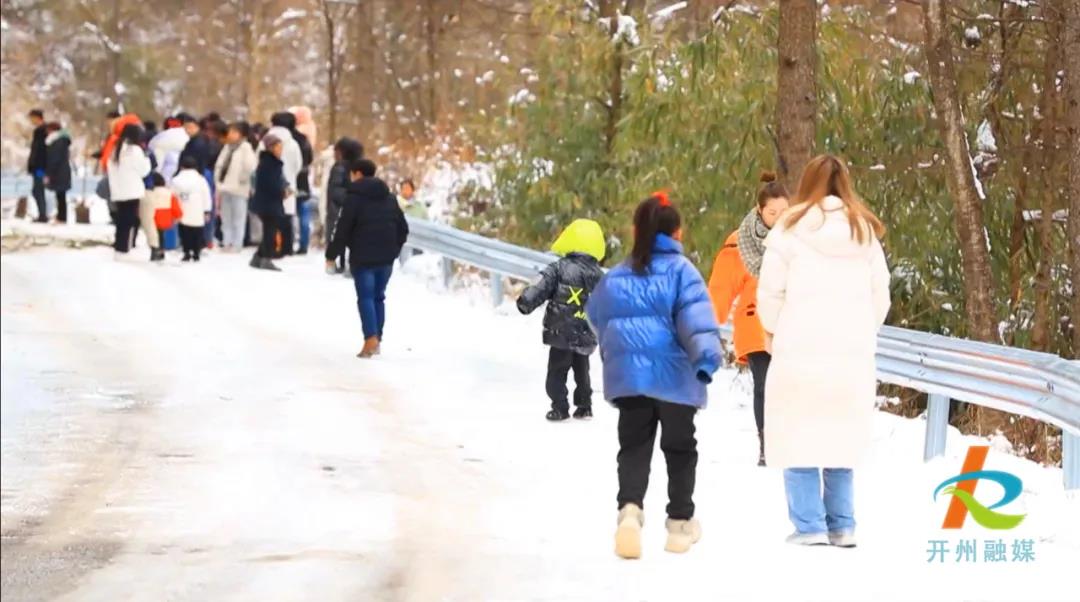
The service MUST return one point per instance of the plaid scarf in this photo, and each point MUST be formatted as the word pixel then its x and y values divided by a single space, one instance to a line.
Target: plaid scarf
pixel 752 233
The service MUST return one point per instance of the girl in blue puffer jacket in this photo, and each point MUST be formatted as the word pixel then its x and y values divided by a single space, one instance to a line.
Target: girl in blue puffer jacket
pixel 660 345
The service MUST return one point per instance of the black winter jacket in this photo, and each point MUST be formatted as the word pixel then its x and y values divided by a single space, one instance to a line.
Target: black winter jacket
pixel 565 285
pixel 58 163
pixel 199 147
pixel 269 195
pixel 338 185
pixel 36 160
pixel 372 225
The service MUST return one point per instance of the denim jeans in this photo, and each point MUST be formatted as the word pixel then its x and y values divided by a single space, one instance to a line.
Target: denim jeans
pixel 211 224
pixel 303 211
pixel 809 510
pixel 370 285
pixel 234 215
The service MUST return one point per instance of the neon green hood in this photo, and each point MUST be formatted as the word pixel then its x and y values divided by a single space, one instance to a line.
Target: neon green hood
pixel 581 236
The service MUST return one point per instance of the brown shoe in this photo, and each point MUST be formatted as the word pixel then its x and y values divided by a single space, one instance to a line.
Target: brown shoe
pixel 371 347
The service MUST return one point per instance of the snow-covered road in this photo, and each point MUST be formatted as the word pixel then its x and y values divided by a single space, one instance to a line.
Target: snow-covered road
pixel 205 433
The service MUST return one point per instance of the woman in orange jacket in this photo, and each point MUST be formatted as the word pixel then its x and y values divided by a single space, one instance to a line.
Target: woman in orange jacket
pixel 734 281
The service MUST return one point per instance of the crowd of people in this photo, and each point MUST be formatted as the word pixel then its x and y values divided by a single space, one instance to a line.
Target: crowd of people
pixel 810 289
pixel 213 168
pixel 804 278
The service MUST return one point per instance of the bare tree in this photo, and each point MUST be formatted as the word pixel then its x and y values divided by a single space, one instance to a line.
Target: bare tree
pixel 1047 146
pixel 796 106
pixel 336 16
pixel 611 10
pixel 1071 51
pixel 968 212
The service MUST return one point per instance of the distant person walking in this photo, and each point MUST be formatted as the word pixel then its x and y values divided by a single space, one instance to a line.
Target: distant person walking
pixel 58 167
pixel 271 188
pixel 346 151
pixel 235 165
pixel 36 163
pixel 373 227
pixel 128 166
pixel 823 293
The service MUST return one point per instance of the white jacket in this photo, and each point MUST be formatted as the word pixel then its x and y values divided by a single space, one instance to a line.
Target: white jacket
pixel 167 146
pixel 126 175
pixel 823 296
pixel 241 163
pixel 193 192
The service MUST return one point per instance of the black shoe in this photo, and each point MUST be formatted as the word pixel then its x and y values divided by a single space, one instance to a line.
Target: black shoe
pixel 157 255
pixel 196 258
pixel 269 265
pixel 557 415
pixel 187 257
pixel 583 413
pixel 302 252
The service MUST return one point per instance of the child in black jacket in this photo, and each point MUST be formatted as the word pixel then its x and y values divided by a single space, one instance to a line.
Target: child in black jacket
pixel 565 285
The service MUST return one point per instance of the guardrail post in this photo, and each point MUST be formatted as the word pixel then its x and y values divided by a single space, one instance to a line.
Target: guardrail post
pixel 447 271
pixel 1070 459
pixel 937 422
pixel 496 288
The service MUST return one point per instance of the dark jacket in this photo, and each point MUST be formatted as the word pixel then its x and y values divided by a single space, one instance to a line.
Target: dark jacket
pixel 270 186
pixel 565 285
pixel 338 185
pixel 303 186
pixel 199 147
pixel 36 160
pixel 58 161
pixel 372 225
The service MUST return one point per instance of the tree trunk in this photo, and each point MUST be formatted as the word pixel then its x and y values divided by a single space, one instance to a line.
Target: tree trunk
pixel 968 212
pixel 1071 50
pixel 431 16
pixel 1047 146
pixel 333 67
pixel 611 9
pixel 796 106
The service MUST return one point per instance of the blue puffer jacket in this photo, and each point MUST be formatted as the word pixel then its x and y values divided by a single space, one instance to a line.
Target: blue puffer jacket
pixel 657 331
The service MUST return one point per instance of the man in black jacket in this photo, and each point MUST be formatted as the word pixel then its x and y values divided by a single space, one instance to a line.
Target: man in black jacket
pixel 374 229
pixel 36 162
pixel 346 151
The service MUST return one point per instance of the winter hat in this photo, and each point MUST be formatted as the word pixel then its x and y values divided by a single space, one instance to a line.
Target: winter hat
pixel 270 140
pixel 581 236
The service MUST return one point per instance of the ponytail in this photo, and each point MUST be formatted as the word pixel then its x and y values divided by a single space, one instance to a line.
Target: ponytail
pixel 655 215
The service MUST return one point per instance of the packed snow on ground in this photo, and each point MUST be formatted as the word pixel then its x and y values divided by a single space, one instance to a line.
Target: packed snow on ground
pixel 194 432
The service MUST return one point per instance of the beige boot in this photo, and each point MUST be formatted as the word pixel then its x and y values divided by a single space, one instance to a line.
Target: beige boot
pixel 682 534
pixel 628 534
pixel 371 347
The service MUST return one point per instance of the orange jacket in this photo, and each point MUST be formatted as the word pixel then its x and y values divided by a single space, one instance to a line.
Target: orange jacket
pixel 114 135
pixel 730 281
pixel 165 218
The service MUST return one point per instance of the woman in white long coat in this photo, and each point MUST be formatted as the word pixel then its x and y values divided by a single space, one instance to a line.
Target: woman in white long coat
pixel 822 296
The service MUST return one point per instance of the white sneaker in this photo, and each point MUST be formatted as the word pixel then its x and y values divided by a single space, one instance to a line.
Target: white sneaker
pixel 682 534
pixel 808 539
pixel 842 539
pixel 628 533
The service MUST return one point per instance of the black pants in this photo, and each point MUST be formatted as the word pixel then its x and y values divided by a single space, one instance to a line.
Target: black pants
pixel 38 192
pixel 127 218
pixel 759 368
pixel 269 232
pixel 638 420
pixel 191 238
pixel 61 205
pixel 560 361
pixel 286 226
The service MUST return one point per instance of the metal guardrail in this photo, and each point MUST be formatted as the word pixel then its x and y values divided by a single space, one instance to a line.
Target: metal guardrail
pixel 1038 385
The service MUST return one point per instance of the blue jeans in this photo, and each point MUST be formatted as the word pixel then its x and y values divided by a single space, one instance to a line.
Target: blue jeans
pixel 211 224
pixel 811 512
pixel 303 211
pixel 371 297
